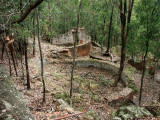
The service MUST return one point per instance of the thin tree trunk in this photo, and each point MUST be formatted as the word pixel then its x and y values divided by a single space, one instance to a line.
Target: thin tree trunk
pixel 34 34
pixel 143 72
pixel 103 29
pixel 3 47
pixel 144 64
pixel 109 33
pixel 14 59
pixel 26 63
pixel 76 38
pixel 50 20
pixel 21 43
pixel 10 69
pixel 41 56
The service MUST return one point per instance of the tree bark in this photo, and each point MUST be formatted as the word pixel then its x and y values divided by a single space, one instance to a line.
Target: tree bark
pixel 41 56
pixel 144 63
pixel 104 33
pixel 9 61
pixel 124 33
pixel 75 38
pixel 3 47
pixel 30 8
pixel 26 63
pixel 50 21
pixel 143 72
pixel 34 33
pixel 109 33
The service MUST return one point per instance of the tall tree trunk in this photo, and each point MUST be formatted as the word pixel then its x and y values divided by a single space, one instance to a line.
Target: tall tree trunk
pixel 109 33
pixel 34 33
pixel 41 56
pixel 76 38
pixel 104 33
pixel 144 64
pixel 124 33
pixel 3 47
pixel 50 20
pixel 21 43
pixel 26 63
pixel 143 72
pixel 10 69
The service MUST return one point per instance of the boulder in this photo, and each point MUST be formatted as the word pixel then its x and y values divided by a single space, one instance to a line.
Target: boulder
pixel 157 78
pixel 119 98
pixel 64 105
pixel 12 105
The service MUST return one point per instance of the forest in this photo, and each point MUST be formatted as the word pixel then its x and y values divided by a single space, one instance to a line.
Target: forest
pixel 79 59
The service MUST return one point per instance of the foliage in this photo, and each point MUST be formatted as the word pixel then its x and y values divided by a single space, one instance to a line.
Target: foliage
pixel 131 112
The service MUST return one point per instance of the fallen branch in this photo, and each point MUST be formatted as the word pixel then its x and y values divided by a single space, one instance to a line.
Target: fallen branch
pixel 71 115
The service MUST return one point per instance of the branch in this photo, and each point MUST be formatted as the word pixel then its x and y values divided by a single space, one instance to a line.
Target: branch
pixel 31 7
pixel 72 115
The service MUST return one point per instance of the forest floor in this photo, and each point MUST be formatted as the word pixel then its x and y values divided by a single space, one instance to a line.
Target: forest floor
pixel 90 86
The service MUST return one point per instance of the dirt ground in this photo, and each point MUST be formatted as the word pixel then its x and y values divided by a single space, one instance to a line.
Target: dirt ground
pixel 90 86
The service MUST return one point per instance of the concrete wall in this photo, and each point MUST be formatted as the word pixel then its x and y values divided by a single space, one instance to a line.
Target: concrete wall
pixel 103 65
pixel 81 50
pixel 67 38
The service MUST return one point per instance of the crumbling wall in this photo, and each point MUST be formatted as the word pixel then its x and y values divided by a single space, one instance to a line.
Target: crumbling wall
pixel 63 39
pixel 67 38
pixel 81 50
pixel 104 65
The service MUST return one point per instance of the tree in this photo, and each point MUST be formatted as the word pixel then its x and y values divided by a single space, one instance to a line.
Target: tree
pixel 41 56
pixel 125 21
pixel 50 21
pixel 26 63
pixel 25 14
pixel 76 39
pixel 34 33
pixel 149 19
pixel 109 33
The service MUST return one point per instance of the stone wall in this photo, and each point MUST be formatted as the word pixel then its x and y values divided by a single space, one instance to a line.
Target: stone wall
pixel 81 50
pixel 12 105
pixel 103 65
pixel 67 38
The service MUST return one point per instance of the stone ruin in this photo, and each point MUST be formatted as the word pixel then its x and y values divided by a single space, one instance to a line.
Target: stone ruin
pixel 67 40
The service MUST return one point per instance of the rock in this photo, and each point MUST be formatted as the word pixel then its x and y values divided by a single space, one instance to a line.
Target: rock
pixel 64 105
pixel 157 78
pixel 39 62
pixel 12 105
pixel 92 115
pixel 52 117
pixel 119 98
pixel 65 51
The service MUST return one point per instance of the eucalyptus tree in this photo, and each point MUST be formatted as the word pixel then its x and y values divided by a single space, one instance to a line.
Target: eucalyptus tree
pixel 76 39
pixel 149 32
pixel 125 16
pixel 41 56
